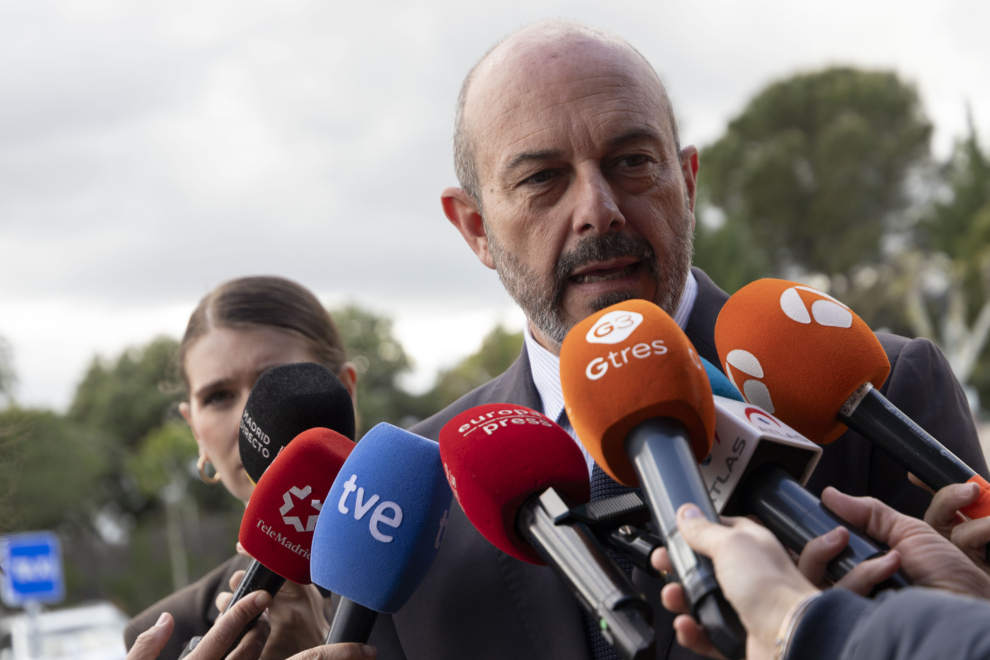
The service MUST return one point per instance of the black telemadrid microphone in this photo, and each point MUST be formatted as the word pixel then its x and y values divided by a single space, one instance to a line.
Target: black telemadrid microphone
pixel 637 395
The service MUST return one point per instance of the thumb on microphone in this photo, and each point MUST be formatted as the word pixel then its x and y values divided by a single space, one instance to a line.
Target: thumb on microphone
pixel 756 574
pixel 151 642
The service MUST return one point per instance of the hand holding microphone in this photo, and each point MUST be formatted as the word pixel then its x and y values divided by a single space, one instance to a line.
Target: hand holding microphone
pixel 224 634
pixel 762 583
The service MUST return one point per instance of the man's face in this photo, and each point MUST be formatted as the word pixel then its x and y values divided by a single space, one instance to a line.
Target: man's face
pixel 584 195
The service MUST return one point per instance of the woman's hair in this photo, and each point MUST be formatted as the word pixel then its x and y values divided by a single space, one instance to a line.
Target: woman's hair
pixel 266 301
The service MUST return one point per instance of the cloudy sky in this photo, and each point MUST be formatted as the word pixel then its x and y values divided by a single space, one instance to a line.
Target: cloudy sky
pixel 150 151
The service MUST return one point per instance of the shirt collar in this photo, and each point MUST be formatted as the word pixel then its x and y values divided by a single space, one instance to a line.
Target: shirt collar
pixel 545 366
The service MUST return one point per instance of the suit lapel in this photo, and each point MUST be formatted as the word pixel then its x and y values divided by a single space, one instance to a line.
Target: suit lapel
pixel 701 324
pixel 547 609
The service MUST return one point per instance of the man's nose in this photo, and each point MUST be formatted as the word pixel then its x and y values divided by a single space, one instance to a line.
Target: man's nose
pixel 596 210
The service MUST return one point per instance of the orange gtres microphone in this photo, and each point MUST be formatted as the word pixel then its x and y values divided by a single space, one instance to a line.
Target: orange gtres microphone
pixel 638 397
pixel 812 362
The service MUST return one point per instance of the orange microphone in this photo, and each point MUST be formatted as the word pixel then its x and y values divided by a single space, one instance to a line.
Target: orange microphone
pixel 811 361
pixel 638 397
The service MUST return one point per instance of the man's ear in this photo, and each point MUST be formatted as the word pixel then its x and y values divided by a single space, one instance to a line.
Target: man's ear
pixel 463 213
pixel 689 167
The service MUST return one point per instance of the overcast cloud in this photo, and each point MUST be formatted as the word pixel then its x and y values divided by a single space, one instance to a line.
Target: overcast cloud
pixel 149 151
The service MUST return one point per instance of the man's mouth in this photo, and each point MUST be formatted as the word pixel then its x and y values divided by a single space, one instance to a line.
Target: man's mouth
pixel 605 274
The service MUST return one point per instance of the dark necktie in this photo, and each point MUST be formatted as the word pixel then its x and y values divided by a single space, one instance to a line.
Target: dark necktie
pixel 603 486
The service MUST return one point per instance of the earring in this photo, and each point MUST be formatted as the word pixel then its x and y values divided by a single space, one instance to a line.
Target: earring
pixel 201 464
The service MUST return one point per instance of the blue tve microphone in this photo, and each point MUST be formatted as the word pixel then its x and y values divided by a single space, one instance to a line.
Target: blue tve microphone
pixel 380 528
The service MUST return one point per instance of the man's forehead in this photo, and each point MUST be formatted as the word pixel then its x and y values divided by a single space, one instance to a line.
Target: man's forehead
pixel 538 91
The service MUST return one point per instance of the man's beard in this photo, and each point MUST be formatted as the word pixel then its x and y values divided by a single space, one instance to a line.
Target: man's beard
pixel 541 300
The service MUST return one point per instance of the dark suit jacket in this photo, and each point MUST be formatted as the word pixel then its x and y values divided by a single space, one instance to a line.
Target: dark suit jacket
pixel 193 608
pixel 477 602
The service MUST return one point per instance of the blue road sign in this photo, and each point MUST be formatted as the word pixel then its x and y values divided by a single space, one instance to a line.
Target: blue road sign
pixel 32 568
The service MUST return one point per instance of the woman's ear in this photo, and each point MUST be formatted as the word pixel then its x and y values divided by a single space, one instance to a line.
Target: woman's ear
pixel 348 376
pixel 186 413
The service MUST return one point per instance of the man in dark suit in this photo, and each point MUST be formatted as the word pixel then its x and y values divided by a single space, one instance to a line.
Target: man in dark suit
pixel 575 190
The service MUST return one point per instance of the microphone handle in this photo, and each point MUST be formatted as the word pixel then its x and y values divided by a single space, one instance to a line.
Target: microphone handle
pixel 257 576
pixel 351 623
pixel 795 517
pixel 878 420
pixel 577 558
pixel 669 477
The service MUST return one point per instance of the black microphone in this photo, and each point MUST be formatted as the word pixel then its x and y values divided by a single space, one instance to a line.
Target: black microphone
pixel 758 466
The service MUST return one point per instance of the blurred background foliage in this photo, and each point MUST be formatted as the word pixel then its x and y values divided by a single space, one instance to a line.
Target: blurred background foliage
pixel 825 177
pixel 828 178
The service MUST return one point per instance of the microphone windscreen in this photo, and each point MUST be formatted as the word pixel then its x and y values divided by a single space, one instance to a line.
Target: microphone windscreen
pixel 285 401
pixel 499 455
pixel 797 353
pixel 624 365
pixel 721 386
pixel 384 520
pixel 277 528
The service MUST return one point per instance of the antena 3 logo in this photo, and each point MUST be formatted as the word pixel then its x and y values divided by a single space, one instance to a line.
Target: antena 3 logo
pixel 826 310
pixel 744 363
pixel 613 327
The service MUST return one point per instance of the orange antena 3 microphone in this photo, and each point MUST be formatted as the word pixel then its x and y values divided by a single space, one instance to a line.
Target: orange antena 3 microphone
pixel 812 362
pixel 637 394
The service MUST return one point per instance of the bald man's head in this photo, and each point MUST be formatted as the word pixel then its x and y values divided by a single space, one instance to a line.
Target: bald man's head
pixel 520 59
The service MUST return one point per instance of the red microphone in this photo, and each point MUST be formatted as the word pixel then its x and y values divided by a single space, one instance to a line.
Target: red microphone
pixel 811 361
pixel 277 527
pixel 497 457
pixel 516 473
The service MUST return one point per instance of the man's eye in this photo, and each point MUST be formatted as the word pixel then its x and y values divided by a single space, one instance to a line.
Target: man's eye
pixel 634 160
pixel 540 177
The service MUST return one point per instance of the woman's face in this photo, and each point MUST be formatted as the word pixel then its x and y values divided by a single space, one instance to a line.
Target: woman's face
pixel 222 367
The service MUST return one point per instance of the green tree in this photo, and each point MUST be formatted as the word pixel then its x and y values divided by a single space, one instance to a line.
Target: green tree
pixel 379 359
pixel 949 276
pixel 499 349
pixel 8 379
pixel 129 396
pixel 812 174
pixel 54 469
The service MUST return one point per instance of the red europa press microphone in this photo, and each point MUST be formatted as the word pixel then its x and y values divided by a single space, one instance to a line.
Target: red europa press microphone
pixel 516 474
pixel 497 457
pixel 638 396
pixel 811 361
